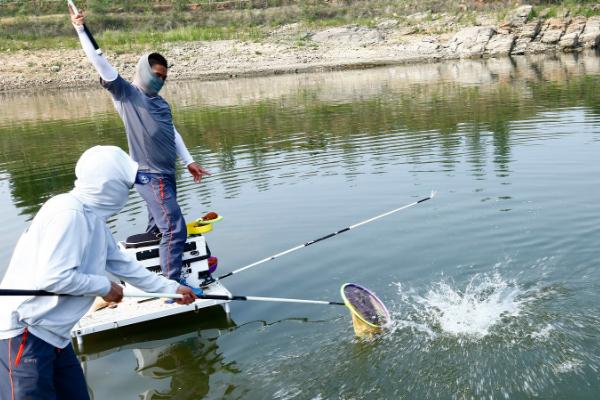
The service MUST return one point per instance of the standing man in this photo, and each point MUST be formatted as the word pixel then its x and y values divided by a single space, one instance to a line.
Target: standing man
pixel 68 249
pixel 154 143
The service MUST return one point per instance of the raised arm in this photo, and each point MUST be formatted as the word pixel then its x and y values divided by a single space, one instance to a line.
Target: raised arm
pixel 186 158
pixel 106 71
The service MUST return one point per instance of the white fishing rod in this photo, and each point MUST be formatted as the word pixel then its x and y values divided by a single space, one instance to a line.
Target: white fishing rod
pixel 264 260
pixel 27 292
pixel 75 11
pixel 232 297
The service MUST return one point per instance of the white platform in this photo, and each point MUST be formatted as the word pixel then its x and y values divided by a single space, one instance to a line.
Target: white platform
pixel 134 310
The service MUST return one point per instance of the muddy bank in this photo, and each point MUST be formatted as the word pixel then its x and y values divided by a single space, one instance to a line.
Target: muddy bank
pixel 293 49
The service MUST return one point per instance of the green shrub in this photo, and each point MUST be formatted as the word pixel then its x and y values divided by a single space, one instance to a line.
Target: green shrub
pixel 99 6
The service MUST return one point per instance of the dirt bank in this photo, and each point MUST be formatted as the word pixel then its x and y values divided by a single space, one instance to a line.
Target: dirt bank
pixel 292 49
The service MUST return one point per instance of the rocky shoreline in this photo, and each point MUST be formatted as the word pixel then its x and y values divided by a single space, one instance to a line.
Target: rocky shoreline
pixel 293 49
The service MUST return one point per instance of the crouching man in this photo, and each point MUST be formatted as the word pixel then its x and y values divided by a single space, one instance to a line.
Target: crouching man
pixel 68 249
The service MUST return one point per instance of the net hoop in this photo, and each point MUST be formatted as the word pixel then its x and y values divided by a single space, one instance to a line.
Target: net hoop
pixel 357 315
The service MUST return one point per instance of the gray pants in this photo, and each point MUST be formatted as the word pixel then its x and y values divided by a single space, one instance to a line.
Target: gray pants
pixel 164 216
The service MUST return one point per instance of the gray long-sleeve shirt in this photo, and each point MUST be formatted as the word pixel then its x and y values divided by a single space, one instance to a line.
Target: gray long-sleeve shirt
pixel 149 126
pixel 144 115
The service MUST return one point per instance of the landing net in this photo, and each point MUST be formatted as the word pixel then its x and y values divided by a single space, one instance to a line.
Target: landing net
pixel 369 314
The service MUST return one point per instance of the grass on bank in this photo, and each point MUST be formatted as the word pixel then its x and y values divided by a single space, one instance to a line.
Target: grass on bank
pixel 119 41
pixel 133 24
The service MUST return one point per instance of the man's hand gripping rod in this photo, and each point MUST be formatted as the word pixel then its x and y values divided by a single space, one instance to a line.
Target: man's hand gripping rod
pixel 75 11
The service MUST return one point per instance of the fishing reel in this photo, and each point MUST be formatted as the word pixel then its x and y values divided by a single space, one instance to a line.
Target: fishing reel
pixel 203 277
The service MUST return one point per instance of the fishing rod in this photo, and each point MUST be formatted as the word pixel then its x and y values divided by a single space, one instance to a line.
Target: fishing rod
pixel 241 298
pixel 75 11
pixel 264 260
pixel 27 292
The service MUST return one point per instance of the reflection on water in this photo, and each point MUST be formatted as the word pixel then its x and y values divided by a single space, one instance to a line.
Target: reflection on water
pixel 250 130
pixel 172 354
pixel 175 358
pixel 499 274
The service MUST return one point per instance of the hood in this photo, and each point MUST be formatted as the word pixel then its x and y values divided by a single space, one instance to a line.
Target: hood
pixel 104 176
pixel 145 78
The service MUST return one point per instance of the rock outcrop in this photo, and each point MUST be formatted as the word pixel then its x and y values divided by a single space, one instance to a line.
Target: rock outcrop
pixel 519 35
pixel 471 42
pixel 350 35
pixel 500 45
pixel 590 37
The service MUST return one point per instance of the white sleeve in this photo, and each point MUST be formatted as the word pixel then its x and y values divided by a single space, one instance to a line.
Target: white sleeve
pixel 107 72
pixel 182 151
pixel 125 267
pixel 60 254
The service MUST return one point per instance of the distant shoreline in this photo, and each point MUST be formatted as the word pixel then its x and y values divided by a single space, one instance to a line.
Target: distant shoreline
pixel 331 49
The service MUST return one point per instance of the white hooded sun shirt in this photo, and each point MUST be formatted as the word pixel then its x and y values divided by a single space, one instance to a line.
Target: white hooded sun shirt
pixel 69 249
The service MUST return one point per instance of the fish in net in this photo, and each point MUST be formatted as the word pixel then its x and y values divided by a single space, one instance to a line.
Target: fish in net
pixel 369 314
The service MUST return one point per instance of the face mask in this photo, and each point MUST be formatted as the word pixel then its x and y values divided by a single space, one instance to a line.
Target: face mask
pixel 145 78
pixel 156 83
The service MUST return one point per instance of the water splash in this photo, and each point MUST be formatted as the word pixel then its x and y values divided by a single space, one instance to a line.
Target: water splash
pixel 486 300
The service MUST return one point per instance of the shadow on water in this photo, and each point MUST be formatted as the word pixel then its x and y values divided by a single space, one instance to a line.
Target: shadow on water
pixel 247 130
pixel 182 350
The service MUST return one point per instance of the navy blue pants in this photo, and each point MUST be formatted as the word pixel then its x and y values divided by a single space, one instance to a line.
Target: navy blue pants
pixel 33 369
pixel 164 216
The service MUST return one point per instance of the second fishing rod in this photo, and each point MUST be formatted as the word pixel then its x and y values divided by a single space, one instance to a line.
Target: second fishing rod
pixel 330 235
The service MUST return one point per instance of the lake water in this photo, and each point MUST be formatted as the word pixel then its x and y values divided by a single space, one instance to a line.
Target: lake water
pixel 494 285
